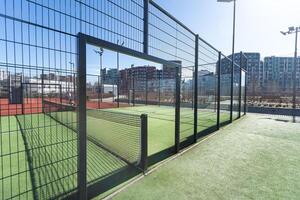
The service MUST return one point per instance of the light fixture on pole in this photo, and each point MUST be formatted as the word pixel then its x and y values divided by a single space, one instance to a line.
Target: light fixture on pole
pixel 232 61
pixel 292 30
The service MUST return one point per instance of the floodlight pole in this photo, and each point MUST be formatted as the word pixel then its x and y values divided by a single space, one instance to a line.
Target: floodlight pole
pixel 291 31
pixel 232 58
pixel 232 61
pixel 294 76
pixel 101 74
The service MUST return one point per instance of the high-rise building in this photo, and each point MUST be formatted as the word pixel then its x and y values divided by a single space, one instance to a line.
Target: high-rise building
pixel 278 74
pixel 254 67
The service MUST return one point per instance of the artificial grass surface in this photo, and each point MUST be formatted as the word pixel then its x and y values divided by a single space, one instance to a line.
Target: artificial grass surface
pixel 14 173
pixel 161 123
pixel 55 148
pixel 255 158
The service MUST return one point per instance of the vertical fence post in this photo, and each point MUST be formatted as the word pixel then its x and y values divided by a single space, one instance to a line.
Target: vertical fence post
pixel 60 94
pixel 146 23
pixel 159 74
pixel 245 93
pixel 196 88
pixel 22 96
pixel 98 91
pixel 133 88
pixel 240 83
pixel 144 142
pixel 219 90
pixel 118 80
pixel 231 88
pixel 146 85
pixel 43 91
pixel 81 92
pixel 177 109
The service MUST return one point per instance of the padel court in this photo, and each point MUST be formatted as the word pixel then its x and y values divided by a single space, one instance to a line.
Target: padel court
pixel 50 143
pixel 94 93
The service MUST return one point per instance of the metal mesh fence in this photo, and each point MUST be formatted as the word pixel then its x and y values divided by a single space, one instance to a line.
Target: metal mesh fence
pixel 38 71
pixel 51 148
pixel 207 87
pixel 225 89
pixel 236 91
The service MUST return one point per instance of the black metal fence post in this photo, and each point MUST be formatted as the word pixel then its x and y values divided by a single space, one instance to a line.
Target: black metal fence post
pixel 43 91
pixel 22 96
pixel 240 84
pixel 146 28
pixel 98 92
pixel 144 142
pixel 81 92
pixel 118 80
pixel 146 84
pixel 219 90
pixel 245 93
pixel 196 89
pixel 177 109
pixel 159 74
pixel 231 88
pixel 60 93
pixel 133 88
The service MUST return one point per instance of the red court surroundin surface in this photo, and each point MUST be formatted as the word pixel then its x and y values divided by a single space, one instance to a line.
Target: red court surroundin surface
pixel 34 105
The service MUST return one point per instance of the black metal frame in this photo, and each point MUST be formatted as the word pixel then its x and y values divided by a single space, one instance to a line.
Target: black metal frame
pixel 82 122
pixel 219 90
pixel 196 88
pixel 240 84
pixel 144 143
pixel 177 109
pixel 83 40
pixel 245 95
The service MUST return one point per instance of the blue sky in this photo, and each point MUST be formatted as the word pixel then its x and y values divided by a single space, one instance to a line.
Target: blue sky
pixel 258 24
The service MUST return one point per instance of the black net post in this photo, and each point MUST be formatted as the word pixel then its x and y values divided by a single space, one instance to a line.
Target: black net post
pixel 196 88
pixel 219 90
pixel 144 142
pixel 177 109
pixel 82 123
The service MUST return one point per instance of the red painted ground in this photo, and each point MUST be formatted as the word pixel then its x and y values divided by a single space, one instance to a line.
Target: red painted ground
pixel 34 105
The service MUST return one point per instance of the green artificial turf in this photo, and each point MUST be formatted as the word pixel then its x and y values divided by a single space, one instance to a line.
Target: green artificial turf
pixel 161 124
pixel 54 154
pixel 15 178
pixel 255 158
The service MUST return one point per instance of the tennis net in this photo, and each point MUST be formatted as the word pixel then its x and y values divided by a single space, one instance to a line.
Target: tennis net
pixel 121 134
